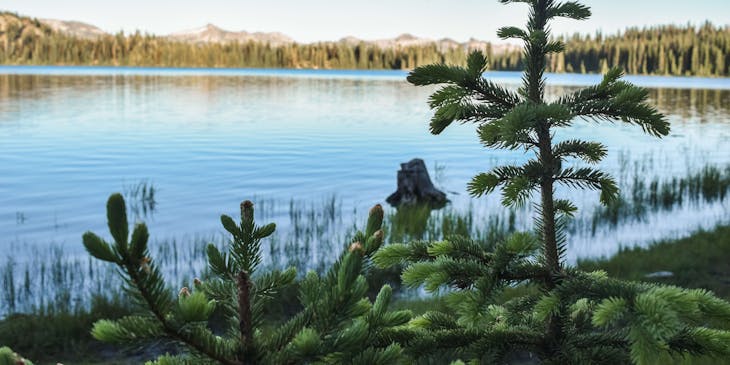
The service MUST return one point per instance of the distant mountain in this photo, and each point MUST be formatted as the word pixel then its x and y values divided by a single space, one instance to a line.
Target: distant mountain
pixel 213 34
pixel 74 28
pixel 443 45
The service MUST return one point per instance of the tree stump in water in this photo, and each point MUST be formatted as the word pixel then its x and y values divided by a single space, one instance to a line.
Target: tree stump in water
pixel 415 187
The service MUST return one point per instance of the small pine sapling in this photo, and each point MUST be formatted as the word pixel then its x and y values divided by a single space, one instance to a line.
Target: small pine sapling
pixel 337 324
pixel 574 317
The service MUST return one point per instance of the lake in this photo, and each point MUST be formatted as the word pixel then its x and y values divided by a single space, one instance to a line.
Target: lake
pixel 310 148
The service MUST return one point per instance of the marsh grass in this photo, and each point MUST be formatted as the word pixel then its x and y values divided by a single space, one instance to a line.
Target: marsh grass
pixel 420 222
pixel 311 234
pixel 140 197
pixel 709 185
pixel 653 208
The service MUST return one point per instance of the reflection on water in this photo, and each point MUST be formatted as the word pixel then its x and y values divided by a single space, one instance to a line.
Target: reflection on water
pixel 683 105
pixel 411 222
pixel 314 154
pixel 705 105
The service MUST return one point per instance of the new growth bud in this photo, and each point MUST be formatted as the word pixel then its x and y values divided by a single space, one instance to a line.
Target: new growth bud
pixel 184 292
pixel 374 242
pixel 195 306
pixel 144 263
pixel 376 210
pixel 375 220
pixel 247 211
pixel 355 246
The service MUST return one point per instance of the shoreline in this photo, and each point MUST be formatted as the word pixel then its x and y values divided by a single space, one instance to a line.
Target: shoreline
pixel 502 77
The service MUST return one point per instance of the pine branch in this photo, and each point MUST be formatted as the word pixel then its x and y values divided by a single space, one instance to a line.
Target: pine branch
pixel 590 178
pixel 169 329
pixel 527 272
pixel 496 95
pixel 512 32
pixel 569 9
pixel 459 247
pixel 591 152
pixel 456 101
pixel 596 92
pixel 613 99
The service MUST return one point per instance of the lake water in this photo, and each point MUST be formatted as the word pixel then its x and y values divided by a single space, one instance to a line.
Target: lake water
pixel 294 140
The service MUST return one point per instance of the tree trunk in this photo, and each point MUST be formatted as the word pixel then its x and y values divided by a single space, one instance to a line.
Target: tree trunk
pixel 415 187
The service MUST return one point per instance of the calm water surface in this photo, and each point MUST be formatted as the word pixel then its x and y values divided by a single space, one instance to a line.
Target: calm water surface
pixel 206 139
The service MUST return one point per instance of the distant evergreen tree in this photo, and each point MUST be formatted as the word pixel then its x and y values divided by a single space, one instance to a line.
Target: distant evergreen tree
pixel 573 317
pixel 338 324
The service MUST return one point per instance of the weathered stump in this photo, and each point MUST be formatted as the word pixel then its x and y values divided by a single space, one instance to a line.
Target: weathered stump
pixel 415 187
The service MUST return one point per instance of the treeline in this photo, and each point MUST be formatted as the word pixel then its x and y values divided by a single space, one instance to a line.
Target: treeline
pixel 662 50
pixel 665 50
pixel 145 50
pixel 26 41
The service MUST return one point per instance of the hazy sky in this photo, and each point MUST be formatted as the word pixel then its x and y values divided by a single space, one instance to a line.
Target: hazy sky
pixel 313 20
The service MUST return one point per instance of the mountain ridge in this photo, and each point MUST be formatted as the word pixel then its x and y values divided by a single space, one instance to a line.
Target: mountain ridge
pixel 74 28
pixel 211 33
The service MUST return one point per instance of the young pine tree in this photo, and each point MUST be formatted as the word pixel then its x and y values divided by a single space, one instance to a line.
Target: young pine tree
pixel 338 324
pixel 574 317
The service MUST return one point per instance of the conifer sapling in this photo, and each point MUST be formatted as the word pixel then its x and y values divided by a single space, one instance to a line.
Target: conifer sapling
pixel 337 324
pixel 574 317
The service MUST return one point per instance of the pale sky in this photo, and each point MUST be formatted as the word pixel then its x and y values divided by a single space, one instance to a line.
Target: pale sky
pixel 318 20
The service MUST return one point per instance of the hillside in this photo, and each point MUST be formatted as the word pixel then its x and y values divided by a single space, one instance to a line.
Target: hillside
pixel 14 28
